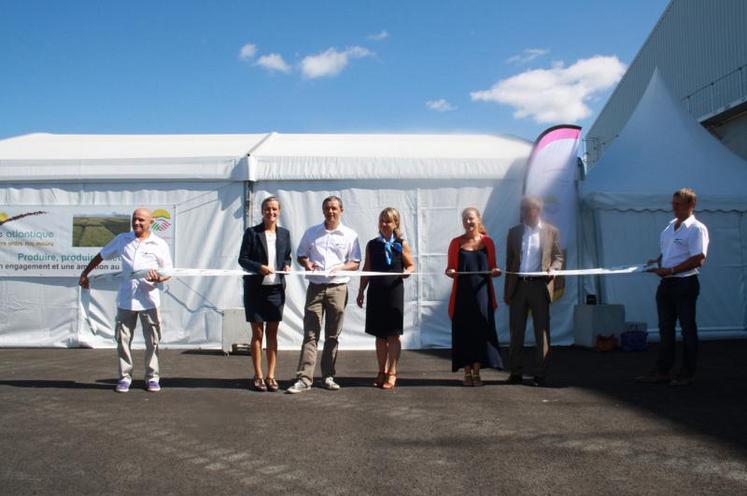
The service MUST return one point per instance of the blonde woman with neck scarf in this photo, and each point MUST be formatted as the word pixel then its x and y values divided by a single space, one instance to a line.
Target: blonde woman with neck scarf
pixel 388 252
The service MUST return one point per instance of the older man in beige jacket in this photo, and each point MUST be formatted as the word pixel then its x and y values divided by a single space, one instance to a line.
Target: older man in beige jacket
pixel 532 246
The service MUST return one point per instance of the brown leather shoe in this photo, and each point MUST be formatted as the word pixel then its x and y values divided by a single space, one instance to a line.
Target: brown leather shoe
pixel 539 381
pixel 653 378
pixel 259 385
pixel 682 380
pixel 515 379
pixel 271 384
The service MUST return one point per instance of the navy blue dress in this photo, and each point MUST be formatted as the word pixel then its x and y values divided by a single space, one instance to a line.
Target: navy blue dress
pixel 386 295
pixel 473 335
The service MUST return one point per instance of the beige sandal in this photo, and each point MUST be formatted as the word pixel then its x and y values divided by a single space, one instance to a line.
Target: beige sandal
pixel 468 378
pixel 476 380
pixel 380 379
pixel 391 381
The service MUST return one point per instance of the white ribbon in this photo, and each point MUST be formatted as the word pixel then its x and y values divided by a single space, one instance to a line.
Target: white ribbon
pixel 631 269
pixel 182 272
pixel 84 300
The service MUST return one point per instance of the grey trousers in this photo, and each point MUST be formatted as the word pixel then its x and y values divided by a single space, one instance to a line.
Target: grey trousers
pixel 124 330
pixel 323 301
pixel 530 296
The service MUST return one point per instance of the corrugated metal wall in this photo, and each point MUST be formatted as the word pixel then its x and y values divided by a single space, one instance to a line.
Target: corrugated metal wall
pixel 700 48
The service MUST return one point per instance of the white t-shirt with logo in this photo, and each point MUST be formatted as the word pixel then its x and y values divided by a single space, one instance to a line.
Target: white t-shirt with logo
pixel 678 245
pixel 150 253
pixel 328 249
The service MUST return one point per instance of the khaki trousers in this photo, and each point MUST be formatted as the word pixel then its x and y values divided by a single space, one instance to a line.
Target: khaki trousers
pixel 323 301
pixel 530 295
pixel 124 329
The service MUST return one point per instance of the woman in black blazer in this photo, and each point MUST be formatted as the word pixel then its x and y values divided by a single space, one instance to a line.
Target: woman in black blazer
pixel 265 249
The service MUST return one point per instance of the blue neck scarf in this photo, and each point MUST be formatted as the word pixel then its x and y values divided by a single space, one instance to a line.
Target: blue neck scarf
pixel 389 245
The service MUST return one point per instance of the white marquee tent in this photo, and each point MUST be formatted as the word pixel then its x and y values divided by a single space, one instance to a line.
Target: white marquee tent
pixel 626 203
pixel 208 180
pixel 201 176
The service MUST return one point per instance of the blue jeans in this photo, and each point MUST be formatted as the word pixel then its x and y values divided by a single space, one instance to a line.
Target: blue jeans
pixel 676 298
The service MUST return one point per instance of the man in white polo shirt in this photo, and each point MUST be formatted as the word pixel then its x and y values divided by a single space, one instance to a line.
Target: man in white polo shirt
pixel 139 249
pixel 684 246
pixel 329 246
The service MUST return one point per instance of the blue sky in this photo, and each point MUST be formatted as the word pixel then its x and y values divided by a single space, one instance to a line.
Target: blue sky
pixel 512 67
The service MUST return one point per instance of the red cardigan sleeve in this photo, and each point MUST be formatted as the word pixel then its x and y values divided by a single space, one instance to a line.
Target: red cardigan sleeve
pixel 452 263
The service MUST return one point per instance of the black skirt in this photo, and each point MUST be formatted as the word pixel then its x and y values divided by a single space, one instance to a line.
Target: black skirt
pixel 386 295
pixel 264 303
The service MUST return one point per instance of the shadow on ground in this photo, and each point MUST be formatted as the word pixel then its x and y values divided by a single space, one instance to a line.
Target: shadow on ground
pixel 714 406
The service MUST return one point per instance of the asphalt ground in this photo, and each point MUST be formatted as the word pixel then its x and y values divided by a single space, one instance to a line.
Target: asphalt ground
pixel 63 430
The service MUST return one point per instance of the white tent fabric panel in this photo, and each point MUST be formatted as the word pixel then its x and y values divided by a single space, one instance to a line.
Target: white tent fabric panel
pixel 285 157
pixel 44 311
pixel 42 146
pixel 476 146
pixel 36 312
pixel 185 169
pixel 59 157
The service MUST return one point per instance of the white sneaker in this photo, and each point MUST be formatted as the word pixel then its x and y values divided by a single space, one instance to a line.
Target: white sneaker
pixel 298 387
pixel 330 384
pixel 123 385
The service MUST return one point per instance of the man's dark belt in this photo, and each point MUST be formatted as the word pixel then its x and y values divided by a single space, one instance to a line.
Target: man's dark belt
pixel 532 278
pixel 673 280
pixel 327 284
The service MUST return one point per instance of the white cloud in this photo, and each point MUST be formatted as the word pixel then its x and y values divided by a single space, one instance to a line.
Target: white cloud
pixel 558 94
pixel 331 62
pixel 248 51
pixel 527 55
pixel 274 62
pixel 380 36
pixel 440 105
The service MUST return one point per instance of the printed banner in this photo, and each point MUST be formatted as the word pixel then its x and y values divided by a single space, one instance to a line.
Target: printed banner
pixel 551 175
pixel 59 241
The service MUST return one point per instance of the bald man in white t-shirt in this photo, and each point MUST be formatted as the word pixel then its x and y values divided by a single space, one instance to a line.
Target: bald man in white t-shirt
pixel 140 249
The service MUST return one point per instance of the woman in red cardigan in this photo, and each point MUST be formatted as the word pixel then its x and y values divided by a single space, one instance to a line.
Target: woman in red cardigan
pixel 471 264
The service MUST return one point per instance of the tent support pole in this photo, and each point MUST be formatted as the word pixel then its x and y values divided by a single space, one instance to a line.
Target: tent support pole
pixel 580 280
pixel 600 286
pixel 419 244
pixel 248 203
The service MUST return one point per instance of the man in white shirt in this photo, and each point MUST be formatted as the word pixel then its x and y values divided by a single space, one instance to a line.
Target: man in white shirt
pixel 683 249
pixel 532 246
pixel 329 246
pixel 139 249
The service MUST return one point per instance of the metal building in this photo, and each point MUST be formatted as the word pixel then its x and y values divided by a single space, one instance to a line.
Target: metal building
pixel 700 48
